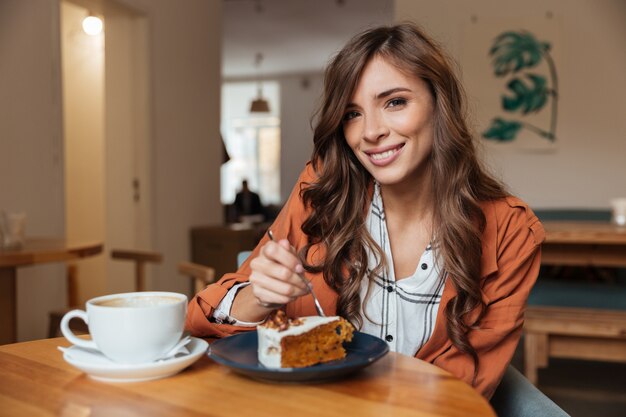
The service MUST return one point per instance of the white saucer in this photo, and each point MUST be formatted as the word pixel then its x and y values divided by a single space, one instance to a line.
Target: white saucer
pixel 98 367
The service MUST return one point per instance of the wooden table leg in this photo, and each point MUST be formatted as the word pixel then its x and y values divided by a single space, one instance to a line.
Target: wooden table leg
pixel 535 354
pixel 8 306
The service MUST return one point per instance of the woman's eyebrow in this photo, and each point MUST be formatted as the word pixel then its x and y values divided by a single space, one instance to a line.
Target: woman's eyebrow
pixel 383 94
pixel 391 91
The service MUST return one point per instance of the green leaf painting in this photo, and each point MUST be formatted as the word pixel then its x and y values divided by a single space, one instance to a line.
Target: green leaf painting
pixel 513 51
pixel 502 130
pixel 512 55
pixel 526 98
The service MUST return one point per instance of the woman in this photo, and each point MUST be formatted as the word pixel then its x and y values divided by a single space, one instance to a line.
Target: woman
pixel 394 221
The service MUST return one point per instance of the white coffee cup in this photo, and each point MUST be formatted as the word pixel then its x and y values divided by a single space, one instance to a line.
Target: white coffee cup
pixel 131 328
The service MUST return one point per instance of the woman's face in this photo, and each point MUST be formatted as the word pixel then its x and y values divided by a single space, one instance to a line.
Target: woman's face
pixel 388 124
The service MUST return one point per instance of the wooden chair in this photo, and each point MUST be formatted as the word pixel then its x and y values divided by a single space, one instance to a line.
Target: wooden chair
pixel 201 275
pixel 54 317
pixel 139 257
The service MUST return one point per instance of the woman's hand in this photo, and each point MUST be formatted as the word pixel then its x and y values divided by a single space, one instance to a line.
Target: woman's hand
pixel 274 282
pixel 274 278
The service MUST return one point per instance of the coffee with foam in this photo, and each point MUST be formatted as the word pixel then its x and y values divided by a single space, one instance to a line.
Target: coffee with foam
pixel 138 302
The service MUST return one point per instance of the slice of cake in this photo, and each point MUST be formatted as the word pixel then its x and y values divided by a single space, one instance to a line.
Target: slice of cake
pixel 306 341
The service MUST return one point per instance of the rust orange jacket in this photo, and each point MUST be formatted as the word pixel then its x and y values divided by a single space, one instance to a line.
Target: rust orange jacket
pixel 510 261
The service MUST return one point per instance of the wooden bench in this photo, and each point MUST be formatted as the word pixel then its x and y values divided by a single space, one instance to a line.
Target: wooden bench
pixel 581 318
pixel 577 333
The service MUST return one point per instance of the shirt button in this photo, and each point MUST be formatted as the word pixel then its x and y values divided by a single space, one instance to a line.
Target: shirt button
pixel 389 288
pixel 424 266
pixel 389 338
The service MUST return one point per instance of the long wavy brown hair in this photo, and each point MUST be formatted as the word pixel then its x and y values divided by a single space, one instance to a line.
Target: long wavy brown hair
pixel 338 198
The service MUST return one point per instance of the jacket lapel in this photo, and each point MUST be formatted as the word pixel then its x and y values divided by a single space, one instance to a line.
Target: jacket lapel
pixel 439 341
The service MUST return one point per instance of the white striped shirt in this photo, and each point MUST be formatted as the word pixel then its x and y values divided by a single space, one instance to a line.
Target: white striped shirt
pixel 402 312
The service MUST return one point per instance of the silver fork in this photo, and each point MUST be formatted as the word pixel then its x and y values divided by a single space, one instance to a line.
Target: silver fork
pixel 308 284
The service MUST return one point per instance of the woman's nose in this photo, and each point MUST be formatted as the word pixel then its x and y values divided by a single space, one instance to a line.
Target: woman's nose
pixel 374 128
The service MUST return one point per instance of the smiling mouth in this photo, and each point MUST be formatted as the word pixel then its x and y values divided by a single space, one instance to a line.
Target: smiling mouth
pixel 385 154
pixel 379 156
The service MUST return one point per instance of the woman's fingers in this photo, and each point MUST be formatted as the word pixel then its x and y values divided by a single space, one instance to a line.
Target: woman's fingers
pixel 274 278
pixel 269 297
pixel 298 268
pixel 282 253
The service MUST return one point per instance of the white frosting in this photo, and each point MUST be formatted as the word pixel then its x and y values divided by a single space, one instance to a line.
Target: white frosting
pixel 270 351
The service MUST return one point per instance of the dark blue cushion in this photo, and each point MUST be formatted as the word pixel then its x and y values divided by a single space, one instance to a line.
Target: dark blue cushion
pixel 562 293
pixel 573 214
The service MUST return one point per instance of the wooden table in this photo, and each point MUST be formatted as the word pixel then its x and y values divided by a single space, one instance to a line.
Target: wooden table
pixel 584 243
pixel 35 251
pixel 36 381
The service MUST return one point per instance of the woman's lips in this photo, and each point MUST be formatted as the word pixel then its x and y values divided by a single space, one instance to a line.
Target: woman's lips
pixel 383 157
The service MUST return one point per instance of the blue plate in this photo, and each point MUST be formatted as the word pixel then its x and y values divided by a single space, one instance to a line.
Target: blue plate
pixel 239 353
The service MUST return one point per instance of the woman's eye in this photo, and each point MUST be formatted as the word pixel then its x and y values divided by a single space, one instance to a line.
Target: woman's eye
pixel 350 115
pixel 396 102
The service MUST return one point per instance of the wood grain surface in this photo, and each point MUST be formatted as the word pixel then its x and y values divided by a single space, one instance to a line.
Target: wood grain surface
pixel 584 232
pixel 43 250
pixel 36 381
pixel 579 243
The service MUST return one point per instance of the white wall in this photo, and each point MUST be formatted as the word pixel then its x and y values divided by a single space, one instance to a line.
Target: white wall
pixel 588 167
pixel 84 144
pixel 31 151
pixel 299 96
pixel 128 143
pixel 185 61
pixel 185 56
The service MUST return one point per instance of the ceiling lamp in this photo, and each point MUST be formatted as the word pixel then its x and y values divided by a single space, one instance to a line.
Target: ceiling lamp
pixel 259 104
pixel 92 25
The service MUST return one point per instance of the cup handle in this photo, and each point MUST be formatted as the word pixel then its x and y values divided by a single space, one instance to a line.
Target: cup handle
pixel 69 335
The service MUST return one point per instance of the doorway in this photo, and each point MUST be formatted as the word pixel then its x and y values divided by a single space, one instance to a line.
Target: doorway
pixel 106 136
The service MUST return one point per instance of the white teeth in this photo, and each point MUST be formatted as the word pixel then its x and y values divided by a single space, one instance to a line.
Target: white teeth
pixel 382 155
